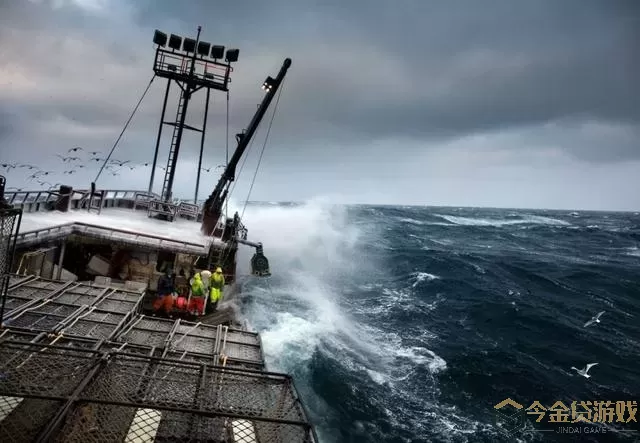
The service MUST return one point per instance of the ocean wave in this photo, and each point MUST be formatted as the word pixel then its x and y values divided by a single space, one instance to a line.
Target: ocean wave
pixel 420 277
pixel 392 340
pixel 524 219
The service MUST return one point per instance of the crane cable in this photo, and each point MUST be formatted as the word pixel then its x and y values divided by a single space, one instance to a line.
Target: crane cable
pixel 244 160
pixel 264 145
pixel 125 128
pixel 226 203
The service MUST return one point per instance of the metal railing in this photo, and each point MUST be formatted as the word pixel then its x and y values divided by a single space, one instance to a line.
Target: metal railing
pixel 31 201
pixel 205 72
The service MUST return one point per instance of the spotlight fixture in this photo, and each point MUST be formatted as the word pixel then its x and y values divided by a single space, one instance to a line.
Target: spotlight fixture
pixel 203 48
pixel 175 42
pixel 268 84
pixel 217 51
pixel 159 38
pixel 188 45
pixel 232 55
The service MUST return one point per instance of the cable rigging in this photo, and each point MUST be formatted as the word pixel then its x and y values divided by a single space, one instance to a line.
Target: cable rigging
pixel 125 128
pixel 264 145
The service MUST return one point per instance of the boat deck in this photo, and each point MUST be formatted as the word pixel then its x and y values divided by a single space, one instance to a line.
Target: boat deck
pixel 118 224
pixel 81 363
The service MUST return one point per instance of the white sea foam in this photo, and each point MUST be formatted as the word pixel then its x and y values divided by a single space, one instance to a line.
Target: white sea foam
pixel 526 219
pixel 138 221
pixel 411 221
pixel 423 276
pixel 633 251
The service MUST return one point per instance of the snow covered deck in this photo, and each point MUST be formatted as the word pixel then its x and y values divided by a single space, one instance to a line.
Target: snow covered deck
pixel 117 224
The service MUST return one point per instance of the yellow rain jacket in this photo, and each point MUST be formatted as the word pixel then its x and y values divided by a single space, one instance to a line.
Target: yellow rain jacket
pixel 217 283
pixel 197 287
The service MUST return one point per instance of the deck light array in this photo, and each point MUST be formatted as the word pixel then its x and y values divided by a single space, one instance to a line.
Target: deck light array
pixel 188 45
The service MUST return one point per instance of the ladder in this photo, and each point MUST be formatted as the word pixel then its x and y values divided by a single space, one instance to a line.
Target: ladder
pixel 165 196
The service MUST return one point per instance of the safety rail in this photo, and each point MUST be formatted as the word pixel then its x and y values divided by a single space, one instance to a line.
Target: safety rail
pixel 32 201
pixel 143 199
pixel 22 198
pixel 188 210
pixel 206 73
pixel 158 207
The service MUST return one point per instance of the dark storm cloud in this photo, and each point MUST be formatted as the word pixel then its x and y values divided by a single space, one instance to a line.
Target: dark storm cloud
pixel 362 70
pixel 424 69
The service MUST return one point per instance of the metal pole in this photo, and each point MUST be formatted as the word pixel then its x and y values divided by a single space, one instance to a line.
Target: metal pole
pixel 63 248
pixel 155 156
pixel 204 129
pixel 187 95
pixel 226 202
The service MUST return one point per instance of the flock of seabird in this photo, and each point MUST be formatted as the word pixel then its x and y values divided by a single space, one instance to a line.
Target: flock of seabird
pixel 74 160
pixel 585 371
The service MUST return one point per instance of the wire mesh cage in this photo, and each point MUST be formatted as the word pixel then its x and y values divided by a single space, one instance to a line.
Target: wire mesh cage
pixel 36 382
pixel 16 279
pixel 81 295
pixel 68 393
pixel 26 294
pixel 120 301
pixel 10 219
pixel 175 400
pixel 145 331
pixel 197 342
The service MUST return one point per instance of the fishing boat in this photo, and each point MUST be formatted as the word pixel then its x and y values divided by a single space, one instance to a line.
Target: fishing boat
pixel 83 354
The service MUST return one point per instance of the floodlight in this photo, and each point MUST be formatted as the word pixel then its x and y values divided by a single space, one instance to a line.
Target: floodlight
pixel 175 42
pixel 217 51
pixel 203 48
pixel 232 55
pixel 188 45
pixel 268 84
pixel 159 38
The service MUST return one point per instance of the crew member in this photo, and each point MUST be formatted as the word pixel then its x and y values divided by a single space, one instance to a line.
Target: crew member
pixel 164 298
pixel 198 295
pixel 217 283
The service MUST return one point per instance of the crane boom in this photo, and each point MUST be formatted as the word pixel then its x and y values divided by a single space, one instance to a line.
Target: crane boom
pixel 213 205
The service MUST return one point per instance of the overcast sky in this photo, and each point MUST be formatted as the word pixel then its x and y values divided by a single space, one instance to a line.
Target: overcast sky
pixel 466 103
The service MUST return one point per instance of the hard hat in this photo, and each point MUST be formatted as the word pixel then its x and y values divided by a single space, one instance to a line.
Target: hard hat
pixel 205 274
pixel 219 269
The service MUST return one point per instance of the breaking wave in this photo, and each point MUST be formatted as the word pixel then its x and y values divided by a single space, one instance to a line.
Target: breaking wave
pixel 517 220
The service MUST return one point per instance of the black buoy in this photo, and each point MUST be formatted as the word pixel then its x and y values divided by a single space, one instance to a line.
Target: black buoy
pixel 260 263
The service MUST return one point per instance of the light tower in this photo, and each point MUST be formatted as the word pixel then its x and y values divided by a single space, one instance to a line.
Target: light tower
pixel 193 65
